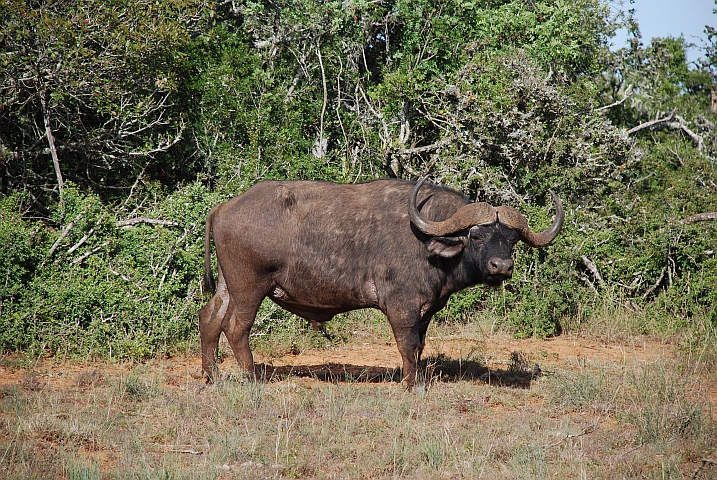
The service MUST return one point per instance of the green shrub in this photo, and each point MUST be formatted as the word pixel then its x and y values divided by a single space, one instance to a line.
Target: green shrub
pixel 122 292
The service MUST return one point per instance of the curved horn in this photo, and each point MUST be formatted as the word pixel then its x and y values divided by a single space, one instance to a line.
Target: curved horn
pixel 514 219
pixel 465 218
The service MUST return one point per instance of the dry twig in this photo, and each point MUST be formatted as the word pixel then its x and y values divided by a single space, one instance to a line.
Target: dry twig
pixel 589 429
pixel 88 235
pixel 628 94
pixel 700 217
pixel 63 234
pixel 651 123
pixel 705 461
pixel 124 277
pixel 592 267
pixel 656 284
pixel 177 449
pixel 667 122
pixel 186 450
pixel 91 252
pixel 154 221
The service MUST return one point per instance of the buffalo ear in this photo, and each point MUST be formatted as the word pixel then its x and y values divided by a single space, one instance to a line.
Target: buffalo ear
pixel 446 246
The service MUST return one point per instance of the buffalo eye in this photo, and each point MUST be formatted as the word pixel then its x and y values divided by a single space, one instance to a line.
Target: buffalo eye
pixel 478 234
pixel 512 237
pixel 477 239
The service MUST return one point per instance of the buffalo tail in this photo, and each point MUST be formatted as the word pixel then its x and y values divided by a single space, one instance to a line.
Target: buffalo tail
pixel 209 284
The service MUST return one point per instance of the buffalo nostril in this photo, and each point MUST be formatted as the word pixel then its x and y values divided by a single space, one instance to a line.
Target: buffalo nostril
pixel 501 266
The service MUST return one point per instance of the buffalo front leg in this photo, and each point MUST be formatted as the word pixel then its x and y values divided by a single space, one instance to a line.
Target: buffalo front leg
pixel 410 338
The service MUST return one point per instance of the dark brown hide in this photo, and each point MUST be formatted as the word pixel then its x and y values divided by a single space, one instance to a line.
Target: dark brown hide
pixel 318 249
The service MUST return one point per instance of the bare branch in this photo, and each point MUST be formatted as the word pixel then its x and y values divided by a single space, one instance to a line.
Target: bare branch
pixel 51 143
pixel 386 136
pixel 628 94
pixel 275 40
pixel 81 258
pixel 125 278
pixel 657 284
pixel 320 150
pixel 589 429
pixel 394 154
pixel 405 132
pixel 154 221
pixel 186 450
pixel 426 148
pixel 592 267
pixel 294 83
pixel 705 461
pixel 63 234
pixel 407 167
pixel 700 217
pixel 88 235
pixel 651 123
pixel 680 124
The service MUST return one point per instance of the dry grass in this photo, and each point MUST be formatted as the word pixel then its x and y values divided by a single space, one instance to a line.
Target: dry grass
pixel 621 417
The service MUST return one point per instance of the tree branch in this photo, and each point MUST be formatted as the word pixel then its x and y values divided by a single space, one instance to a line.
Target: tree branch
pixel 154 221
pixel 592 267
pixel 51 143
pixel 91 252
pixel 404 152
pixel 657 284
pixel 321 150
pixel 589 429
pixel 680 124
pixel 63 234
pixel 405 132
pixel 426 148
pixel 651 123
pixel 700 217
pixel 628 94
pixel 88 235
pixel 125 277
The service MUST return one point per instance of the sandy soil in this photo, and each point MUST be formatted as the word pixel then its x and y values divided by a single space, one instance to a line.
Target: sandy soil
pixel 370 361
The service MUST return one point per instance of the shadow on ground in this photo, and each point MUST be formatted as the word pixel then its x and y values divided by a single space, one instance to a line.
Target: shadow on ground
pixel 436 369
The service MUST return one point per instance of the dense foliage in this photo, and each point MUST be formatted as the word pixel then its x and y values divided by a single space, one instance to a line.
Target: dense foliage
pixel 122 123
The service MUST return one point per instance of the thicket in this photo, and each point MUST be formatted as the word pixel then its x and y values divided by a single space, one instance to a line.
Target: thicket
pixel 122 123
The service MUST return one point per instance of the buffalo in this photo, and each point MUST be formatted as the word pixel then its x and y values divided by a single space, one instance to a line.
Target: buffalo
pixel 318 249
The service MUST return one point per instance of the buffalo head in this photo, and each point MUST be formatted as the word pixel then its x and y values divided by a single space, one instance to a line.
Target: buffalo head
pixel 484 234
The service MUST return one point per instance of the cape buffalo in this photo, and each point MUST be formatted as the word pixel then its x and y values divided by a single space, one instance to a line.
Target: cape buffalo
pixel 319 248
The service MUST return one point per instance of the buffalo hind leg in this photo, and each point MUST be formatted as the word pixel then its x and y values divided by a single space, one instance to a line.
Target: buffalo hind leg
pixel 237 326
pixel 211 317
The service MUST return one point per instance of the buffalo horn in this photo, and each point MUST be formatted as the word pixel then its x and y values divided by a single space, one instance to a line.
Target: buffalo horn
pixel 465 218
pixel 512 218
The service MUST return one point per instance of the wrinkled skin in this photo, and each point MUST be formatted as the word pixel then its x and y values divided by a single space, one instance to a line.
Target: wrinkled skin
pixel 318 249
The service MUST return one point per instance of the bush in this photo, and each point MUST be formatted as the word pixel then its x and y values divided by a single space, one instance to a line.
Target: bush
pixel 106 290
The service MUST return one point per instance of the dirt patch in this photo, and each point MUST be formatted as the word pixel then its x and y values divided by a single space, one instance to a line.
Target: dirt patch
pixel 371 362
pixel 498 358
pixel 494 348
